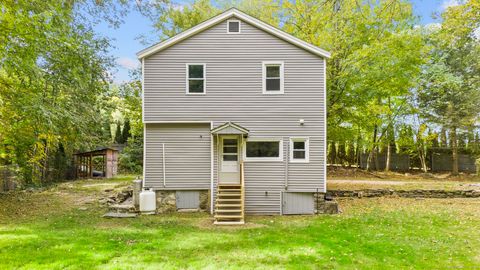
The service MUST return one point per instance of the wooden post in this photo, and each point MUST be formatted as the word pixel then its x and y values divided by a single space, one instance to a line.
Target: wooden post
pixel 91 166
pixel 104 166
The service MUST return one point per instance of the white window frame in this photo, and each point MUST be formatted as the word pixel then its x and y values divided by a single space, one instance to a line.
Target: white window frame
pixel 307 149
pixel 262 139
pixel 204 78
pixel 264 77
pixel 239 27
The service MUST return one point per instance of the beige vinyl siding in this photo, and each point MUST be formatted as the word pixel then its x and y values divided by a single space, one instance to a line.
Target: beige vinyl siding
pixel 187 156
pixel 234 93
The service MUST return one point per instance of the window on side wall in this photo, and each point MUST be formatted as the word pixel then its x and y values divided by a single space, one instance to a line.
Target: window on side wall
pixel 196 79
pixel 272 77
pixel 299 150
pixel 263 150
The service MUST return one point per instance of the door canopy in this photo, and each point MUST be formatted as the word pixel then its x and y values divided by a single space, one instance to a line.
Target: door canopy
pixel 230 128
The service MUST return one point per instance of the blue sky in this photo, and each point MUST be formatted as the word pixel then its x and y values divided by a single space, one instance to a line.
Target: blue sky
pixel 126 42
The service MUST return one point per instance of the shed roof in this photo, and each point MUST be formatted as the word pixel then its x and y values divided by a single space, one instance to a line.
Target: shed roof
pixel 98 150
pixel 225 15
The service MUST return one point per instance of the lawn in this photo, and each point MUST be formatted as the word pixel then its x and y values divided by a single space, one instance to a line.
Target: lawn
pixel 62 227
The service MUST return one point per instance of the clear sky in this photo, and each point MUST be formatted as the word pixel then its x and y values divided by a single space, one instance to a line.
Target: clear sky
pixel 126 42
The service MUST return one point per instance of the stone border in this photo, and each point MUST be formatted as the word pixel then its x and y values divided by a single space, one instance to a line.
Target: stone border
pixel 414 193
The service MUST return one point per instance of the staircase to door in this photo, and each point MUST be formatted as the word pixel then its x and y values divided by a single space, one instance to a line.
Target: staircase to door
pixel 230 203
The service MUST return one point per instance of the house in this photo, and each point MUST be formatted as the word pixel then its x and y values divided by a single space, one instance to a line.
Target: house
pixel 235 119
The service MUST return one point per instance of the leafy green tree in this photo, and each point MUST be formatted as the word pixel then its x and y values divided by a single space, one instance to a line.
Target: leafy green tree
pixel 118 134
pixel 448 92
pixel 52 73
pixel 126 131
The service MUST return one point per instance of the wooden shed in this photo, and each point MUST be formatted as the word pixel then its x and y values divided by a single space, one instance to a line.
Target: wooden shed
pixel 101 162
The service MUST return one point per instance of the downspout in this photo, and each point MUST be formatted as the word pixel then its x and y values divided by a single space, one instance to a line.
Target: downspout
pixel 144 125
pixel 163 163
pixel 218 159
pixel 211 169
pixel 286 163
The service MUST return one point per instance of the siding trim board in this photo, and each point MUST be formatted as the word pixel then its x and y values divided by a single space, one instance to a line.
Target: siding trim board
pixel 325 125
pixel 225 15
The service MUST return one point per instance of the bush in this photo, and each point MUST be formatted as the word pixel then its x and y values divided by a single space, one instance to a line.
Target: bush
pixel 131 158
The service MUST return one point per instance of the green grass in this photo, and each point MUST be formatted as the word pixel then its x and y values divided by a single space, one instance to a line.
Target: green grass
pixel 47 230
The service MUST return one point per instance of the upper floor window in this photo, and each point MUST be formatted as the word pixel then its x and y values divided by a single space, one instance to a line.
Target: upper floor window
pixel 196 79
pixel 272 77
pixel 233 26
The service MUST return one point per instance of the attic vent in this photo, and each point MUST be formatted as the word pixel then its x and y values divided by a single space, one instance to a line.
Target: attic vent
pixel 233 26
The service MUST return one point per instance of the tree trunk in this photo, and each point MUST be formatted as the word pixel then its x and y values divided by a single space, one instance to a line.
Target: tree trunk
pixel 370 155
pixel 387 162
pixel 453 136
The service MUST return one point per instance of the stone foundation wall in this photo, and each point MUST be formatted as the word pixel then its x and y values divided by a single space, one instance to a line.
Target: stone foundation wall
pixel 416 193
pixel 167 202
pixel 323 206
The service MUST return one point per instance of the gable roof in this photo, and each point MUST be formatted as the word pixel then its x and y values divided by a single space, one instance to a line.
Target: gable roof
pixel 225 15
pixel 229 128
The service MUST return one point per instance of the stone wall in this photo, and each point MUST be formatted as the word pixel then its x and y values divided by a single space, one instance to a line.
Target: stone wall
pixel 415 193
pixel 323 206
pixel 166 201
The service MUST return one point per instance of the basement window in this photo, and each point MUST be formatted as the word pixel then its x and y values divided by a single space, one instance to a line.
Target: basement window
pixel 233 27
pixel 196 79
pixel 299 149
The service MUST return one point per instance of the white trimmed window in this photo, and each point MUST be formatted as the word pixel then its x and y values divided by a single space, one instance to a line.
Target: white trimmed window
pixel 233 27
pixel 272 76
pixel 263 149
pixel 196 79
pixel 299 149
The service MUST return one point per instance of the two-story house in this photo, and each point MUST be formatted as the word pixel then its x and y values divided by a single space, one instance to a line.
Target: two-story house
pixel 235 119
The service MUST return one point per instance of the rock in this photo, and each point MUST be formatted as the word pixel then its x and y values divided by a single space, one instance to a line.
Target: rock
pixel 331 207
pixel 108 190
pixel 82 208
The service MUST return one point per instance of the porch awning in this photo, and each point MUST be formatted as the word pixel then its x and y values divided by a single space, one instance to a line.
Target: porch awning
pixel 230 128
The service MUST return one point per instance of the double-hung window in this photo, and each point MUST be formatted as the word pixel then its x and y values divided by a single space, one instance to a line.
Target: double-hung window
pixel 196 79
pixel 299 150
pixel 272 77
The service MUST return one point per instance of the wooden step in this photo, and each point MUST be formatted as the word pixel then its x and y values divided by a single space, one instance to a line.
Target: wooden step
pixel 230 190
pixel 228 205
pixel 229 200
pixel 228 210
pixel 229 222
pixel 228 216
pixel 228 195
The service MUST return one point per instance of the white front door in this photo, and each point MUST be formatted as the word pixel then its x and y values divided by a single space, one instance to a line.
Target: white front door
pixel 229 159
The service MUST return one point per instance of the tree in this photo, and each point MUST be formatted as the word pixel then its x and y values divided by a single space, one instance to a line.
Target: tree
pixel 126 131
pixel 448 90
pixel 52 74
pixel 118 134
pixel 368 40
